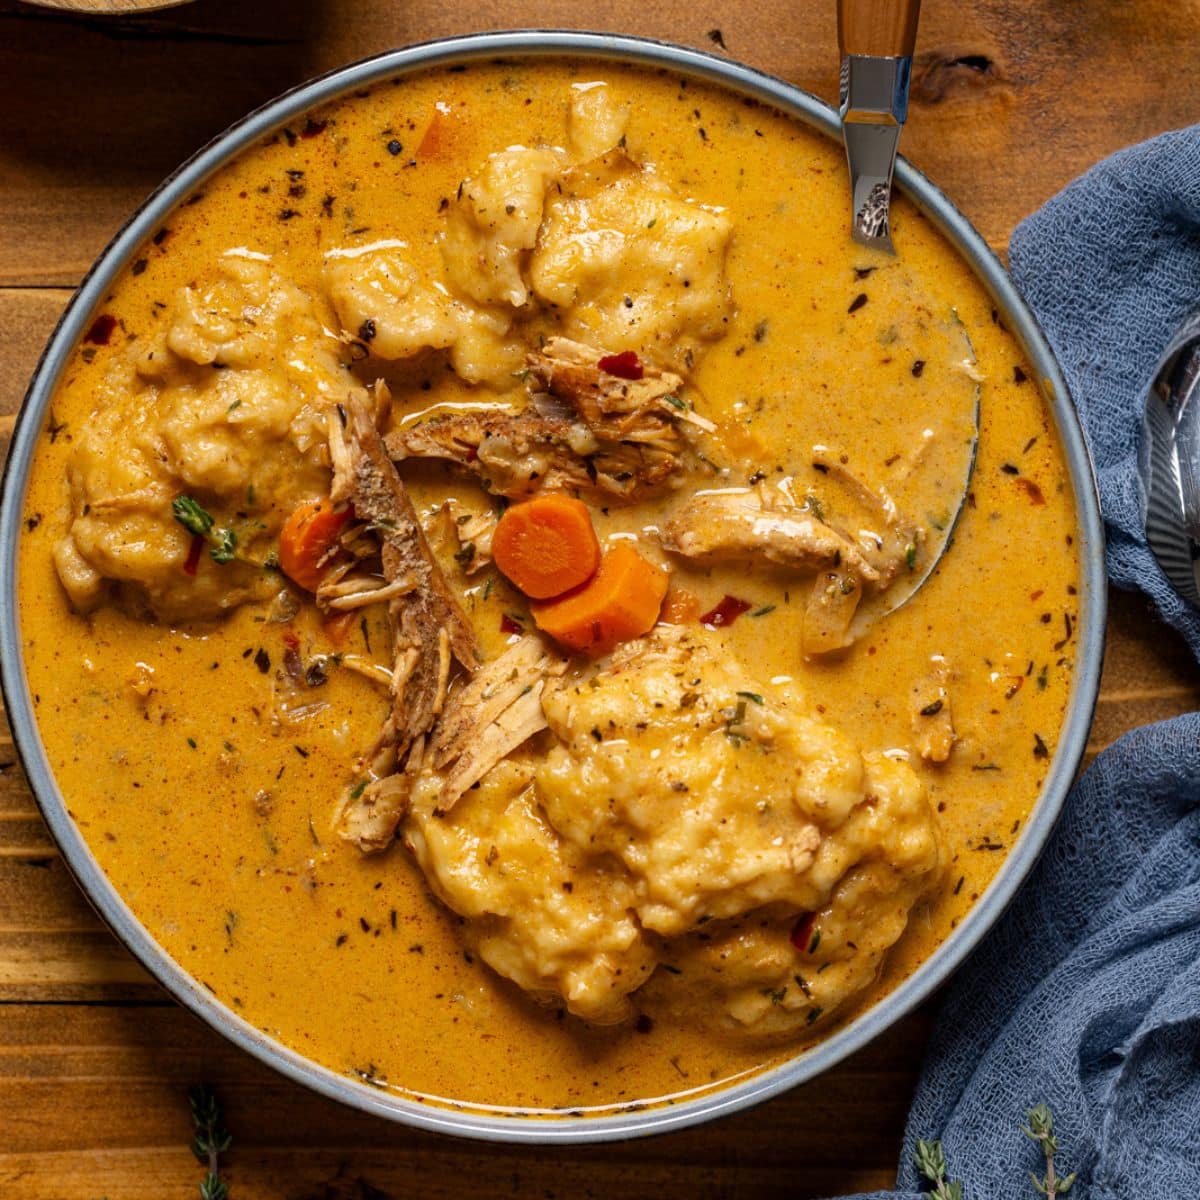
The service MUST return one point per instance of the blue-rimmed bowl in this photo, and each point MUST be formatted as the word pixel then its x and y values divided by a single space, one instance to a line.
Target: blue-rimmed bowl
pixel 473 1120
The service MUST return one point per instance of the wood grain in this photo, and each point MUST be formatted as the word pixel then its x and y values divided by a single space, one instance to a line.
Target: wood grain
pixel 94 1060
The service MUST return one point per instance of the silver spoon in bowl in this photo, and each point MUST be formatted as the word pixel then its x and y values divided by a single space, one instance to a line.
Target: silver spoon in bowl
pixel 876 39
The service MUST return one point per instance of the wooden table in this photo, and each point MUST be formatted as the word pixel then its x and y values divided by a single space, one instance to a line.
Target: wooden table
pixel 1010 100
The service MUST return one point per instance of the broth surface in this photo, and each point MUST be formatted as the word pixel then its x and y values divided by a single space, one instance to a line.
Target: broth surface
pixel 348 959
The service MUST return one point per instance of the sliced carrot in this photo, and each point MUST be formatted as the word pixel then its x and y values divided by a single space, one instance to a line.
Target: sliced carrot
pixel 307 537
pixel 546 546
pixel 620 602
pixel 681 607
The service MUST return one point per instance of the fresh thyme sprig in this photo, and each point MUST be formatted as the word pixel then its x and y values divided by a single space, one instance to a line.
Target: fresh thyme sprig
pixel 210 1142
pixel 199 522
pixel 930 1161
pixel 1041 1130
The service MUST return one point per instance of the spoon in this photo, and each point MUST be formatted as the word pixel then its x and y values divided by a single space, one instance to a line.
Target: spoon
pixel 876 39
pixel 1169 462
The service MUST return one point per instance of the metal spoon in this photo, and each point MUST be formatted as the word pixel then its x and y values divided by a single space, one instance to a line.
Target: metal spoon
pixel 1169 462
pixel 876 39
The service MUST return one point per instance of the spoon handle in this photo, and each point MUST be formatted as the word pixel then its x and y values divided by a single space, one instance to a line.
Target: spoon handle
pixel 879 28
pixel 876 38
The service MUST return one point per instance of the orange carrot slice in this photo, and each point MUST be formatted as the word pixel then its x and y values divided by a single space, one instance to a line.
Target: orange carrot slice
pixel 620 602
pixel 308 535
pixel 546 546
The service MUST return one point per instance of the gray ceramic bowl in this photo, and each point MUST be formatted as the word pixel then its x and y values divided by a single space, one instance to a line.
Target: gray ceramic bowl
pixel 471 1120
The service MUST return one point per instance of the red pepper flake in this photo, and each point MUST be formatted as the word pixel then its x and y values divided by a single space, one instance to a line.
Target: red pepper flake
pixel 625 365
pixel 291 640
pixel 509 625
pixel 195 550
pixel 725 613
pixel 802 932
pixel 1030 489
pixel 312 128
pixel 101 330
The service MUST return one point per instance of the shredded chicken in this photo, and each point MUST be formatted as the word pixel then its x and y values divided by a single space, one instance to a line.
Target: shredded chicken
pixel 473 532
pixel 830 612
pixel 429 627
pixel 730 525
pixel 370 820
pixel 932 717
pixel 590 429
pixel 889 548
pixel 488 717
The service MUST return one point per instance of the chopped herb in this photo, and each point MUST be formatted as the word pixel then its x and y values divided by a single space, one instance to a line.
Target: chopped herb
pixel 910 556
pixel 754 697
pixel 224 549
pixel 1039 747
pixel 762 612
pixel 192 516
pixel 932 710
pixel 857 302
pixel 814 1014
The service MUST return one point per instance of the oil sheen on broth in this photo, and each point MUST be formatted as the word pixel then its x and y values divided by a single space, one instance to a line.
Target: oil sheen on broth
pixel 703 862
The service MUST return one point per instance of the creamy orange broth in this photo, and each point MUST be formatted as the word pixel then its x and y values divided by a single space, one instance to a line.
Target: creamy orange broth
pixel 348 959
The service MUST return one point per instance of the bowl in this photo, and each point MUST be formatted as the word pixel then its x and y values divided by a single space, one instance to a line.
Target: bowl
pixel 469 1120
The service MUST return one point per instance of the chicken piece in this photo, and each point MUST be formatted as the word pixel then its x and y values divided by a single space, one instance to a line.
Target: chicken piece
pixel 932 716
pixel 603 433
pixel 473 531
pixel 646 410
pixel 488 717
pixel 595 124
pixel 829 614
pixel 493 222
pixel 894 545
pixel 429 626
pixel 627 262
pixel 382 301
pixel 725 526
pixel 371 819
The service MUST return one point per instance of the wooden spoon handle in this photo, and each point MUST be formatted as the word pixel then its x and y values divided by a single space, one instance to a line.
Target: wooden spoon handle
pixel 881 28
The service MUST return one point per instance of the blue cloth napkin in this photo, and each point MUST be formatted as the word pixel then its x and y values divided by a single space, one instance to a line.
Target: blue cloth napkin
pixel 1087 993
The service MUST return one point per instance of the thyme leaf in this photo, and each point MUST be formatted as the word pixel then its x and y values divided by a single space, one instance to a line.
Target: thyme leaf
pixel 210 1141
